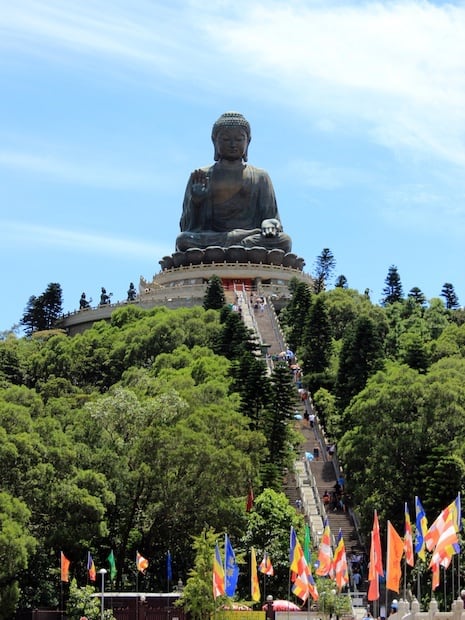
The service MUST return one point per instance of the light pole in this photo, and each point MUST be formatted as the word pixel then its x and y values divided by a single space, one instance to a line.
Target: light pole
pixel 102 572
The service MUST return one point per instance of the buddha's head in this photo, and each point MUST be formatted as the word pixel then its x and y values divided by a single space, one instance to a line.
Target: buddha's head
pixel 231 120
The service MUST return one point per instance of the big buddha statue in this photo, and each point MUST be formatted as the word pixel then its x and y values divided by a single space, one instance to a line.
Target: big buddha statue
pixel 231 203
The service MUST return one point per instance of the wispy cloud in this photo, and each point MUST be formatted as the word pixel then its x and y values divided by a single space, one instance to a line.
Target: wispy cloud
pixel 34 237
pixel 91 173
pixel 392 70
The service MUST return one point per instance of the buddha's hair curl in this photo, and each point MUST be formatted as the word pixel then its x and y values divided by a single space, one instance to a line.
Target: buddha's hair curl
pixel 231 119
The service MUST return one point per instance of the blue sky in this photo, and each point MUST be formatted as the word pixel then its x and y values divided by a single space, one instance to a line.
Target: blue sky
pixel 357 112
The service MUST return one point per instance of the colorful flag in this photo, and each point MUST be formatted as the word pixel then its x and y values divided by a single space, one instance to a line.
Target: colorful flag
pixel 91 567
pixel 141 563
pixel 375 569
pixel 447 545
pixel 325 553
pixel 265 565
pixel 341 571
pixel 169 571
pixel 218 574
pixel 64 565
pixel 254 585
pixel 421 527
pixel 453 510
pixel 250 499
pixel 231 569
pixel 373 577
pixel 111 561
pixel 408 540
pixel 395 551
pixel 301 573
pixel 377 546
pixel 307 552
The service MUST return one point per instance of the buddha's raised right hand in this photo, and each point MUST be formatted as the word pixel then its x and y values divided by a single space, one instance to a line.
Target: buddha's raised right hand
pixel 200 185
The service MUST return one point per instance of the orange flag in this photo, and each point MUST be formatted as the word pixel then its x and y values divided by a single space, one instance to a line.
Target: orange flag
pixel 141 563
pixel 64 567
pixel 395 551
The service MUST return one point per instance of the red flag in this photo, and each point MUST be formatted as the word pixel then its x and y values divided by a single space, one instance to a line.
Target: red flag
pixel 373 579
pixel 395 550
pixel 250 500
pixel 64 567
pixel 376 562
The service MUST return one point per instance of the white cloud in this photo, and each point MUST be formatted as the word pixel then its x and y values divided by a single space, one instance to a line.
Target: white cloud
pixel 392 70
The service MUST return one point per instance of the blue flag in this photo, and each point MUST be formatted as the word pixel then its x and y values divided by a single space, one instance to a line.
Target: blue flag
pixel 169 572
pixel 231 569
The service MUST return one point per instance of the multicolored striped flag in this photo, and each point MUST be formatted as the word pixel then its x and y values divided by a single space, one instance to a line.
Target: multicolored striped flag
pixel 341 571
pixel 421 527
pixel 91 567
pixel 408 540
pixel 452 511
pixel 218 574
pixel 266 566
pixel 141 563
pixel 325 553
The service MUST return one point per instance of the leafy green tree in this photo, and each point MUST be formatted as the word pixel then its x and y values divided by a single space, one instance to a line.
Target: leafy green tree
pixel 82 603
pixel 16 548
pixel 197 597
pixel 393 287
pixel 214 298
pixel 268 530
pixel 450 296
pixel 325 265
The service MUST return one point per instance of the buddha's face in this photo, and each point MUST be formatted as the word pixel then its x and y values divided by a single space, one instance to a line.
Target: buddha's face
pixel 231 143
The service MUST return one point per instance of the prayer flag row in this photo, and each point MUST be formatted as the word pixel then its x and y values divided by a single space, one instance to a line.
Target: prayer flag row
pixel 141 565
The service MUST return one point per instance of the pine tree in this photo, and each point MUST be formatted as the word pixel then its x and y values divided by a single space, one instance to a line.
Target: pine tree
pixel 293 317
pixel 393 289
pixel 451 299
pixel 317 338
pixel 324 268
pixel 278 415
pixel 416 294
pixel 214 298
pixel 43 312
pixel 341 282
pixel 361 355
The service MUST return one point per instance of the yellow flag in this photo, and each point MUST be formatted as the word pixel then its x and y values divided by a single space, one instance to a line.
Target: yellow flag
pixel 254 577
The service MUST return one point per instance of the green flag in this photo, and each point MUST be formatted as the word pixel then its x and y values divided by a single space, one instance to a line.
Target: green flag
pixel 307 544
pixel 112 563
